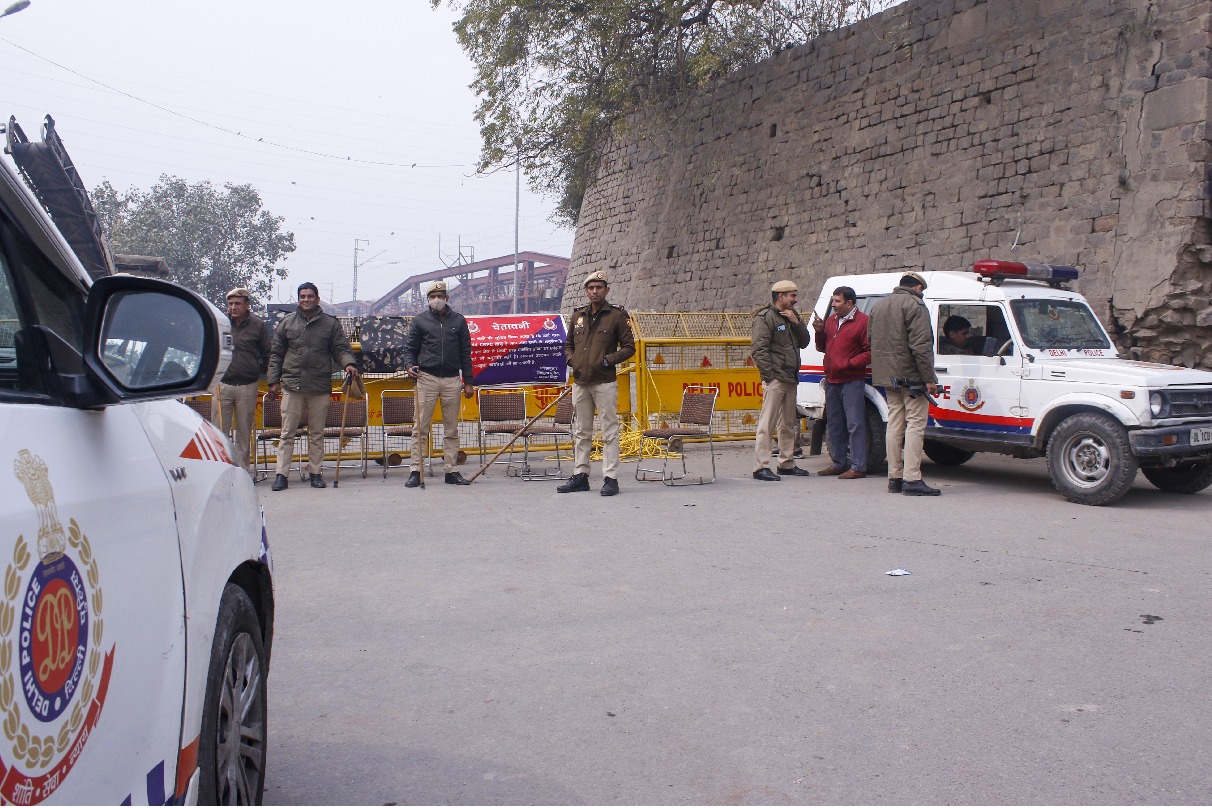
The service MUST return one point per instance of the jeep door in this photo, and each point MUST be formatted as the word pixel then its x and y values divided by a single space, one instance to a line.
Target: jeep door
pixel 92 639
pixel 982 380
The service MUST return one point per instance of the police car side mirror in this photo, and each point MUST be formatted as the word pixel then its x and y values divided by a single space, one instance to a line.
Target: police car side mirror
pixel 147 339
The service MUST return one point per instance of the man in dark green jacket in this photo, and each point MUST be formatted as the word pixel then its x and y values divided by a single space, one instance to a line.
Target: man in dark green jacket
pixel 902 362
pixel 599 339
pixel 308 345
pixel 779 333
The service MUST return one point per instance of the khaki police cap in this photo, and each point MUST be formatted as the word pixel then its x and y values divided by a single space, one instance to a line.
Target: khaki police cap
pixel 239 291
pixel 915 277
pixel 784 286
pixel 439 287
pixel 597 277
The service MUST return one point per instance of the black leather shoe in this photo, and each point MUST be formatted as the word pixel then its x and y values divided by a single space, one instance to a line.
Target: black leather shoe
pixel 280 483
pixel 793 471
pixel 610 487
pixel 895 484
pixel 767 475
pixel 577 482
pixel 918 488
pixel 317 481
pixel 414 480
pixel 455 478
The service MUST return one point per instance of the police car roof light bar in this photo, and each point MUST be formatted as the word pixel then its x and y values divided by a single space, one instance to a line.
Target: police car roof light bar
pixel 999 270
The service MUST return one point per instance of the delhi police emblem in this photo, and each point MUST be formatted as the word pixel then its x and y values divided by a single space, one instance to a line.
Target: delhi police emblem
pixel 53 675
pixel 970 397
pixel 473 327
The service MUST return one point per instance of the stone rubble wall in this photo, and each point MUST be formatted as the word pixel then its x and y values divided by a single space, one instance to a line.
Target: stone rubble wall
pixel 927 137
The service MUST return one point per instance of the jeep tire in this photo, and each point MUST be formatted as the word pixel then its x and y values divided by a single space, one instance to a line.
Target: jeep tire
pixel 1090 460
pixel 946 455
pixel 231 752
pixel 877 441
pixel 1190 477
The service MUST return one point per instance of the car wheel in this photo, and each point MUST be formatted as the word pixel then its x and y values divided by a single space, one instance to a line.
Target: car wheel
pixel 231 753
pixel 1090 460
pixel 877 441
pixel 1185 478
pixel 945 455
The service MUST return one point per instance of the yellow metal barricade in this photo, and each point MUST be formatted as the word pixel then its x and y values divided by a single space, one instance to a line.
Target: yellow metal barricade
pixel 674 350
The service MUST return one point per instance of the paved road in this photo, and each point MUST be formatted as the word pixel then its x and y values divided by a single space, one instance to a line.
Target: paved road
pixel 740 643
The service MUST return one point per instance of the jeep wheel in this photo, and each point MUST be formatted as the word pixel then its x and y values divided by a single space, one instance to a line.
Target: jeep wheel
pixel 1185 478
pixel 1090 460
pixel 877 445
pixel 945 455
pixel 231 751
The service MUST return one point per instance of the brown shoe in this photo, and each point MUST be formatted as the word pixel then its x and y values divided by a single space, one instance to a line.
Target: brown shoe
pixel 852 474
pixel 829 472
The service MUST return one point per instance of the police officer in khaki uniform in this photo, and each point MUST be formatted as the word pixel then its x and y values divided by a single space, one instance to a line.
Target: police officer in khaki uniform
pixel 238 389
pixel 599 339
pixel 437 353
pixel 779 334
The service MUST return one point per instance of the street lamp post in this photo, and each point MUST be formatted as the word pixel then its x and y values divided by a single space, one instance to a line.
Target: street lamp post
pixel 20 5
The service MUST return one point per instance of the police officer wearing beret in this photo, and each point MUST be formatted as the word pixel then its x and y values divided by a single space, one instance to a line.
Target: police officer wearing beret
pixel 599 339
pixel 238 389
pixel 779 334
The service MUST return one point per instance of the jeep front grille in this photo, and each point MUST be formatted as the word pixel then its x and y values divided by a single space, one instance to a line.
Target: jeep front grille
pixel 1190 403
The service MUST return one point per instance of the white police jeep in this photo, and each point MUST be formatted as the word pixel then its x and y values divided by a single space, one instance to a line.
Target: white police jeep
pixel 137 608
pixel 1039 377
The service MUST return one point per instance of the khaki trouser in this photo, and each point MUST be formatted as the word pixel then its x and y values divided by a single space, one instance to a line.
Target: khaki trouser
pixel 778 412
pixel 430 390
pixel 606 398
pixel 906 431
pixel 238 405
pixel 293 403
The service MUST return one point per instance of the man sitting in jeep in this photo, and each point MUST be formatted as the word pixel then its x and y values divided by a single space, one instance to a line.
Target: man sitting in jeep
pixel 956 330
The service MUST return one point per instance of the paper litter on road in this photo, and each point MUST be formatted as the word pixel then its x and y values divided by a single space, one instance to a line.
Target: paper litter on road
pixel 898 571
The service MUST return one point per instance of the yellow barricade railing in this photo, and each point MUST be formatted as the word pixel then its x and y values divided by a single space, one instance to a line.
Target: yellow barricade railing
pixel 673 350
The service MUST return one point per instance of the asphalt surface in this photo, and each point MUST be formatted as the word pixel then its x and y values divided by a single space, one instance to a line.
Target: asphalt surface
pixel 739 643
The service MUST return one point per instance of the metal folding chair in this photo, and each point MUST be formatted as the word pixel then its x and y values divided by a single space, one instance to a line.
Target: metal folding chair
pixel 354 414
pixel 694 421
pixel 502 412
pixel 270 433
pixel 399 423
pixel 560 426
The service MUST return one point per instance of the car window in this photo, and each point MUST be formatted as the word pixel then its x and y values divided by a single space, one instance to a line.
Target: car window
pixel 19 369
pixel 51 311
pixel 988 330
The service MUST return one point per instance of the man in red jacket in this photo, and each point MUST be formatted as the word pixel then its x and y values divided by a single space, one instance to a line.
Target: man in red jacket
pixel 842 338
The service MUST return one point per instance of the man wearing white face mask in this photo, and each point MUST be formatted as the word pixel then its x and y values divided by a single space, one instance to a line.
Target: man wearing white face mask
pixel 436 353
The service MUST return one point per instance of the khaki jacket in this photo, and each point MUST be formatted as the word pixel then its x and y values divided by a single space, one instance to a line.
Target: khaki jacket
pixel 776 346
pixel 902 341
pixel 306 353
pixel 594 339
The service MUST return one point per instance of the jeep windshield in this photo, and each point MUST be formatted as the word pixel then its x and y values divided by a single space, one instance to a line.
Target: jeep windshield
pixel 1064 324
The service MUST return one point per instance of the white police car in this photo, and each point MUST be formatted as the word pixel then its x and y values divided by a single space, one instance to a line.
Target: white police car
pixel 1039 377
pixel 137 606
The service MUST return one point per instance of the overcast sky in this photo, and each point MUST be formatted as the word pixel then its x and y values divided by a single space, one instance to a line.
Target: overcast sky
pixel 140 88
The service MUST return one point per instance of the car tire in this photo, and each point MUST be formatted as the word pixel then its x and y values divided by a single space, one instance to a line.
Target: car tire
pixel 231 753
pixel 877 441
pixel 1185 478
pixel 943 454
pixel 1090 460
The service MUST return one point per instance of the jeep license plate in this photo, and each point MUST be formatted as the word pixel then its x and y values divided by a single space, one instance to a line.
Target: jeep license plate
pixel 1201 437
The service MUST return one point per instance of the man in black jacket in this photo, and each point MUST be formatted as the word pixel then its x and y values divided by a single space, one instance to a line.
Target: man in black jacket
pixel 436 353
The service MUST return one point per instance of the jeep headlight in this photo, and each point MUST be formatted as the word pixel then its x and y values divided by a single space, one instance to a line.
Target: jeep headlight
pixel 1158 405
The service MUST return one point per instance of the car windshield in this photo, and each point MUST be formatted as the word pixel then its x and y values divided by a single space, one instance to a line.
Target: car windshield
pixel 1067 324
